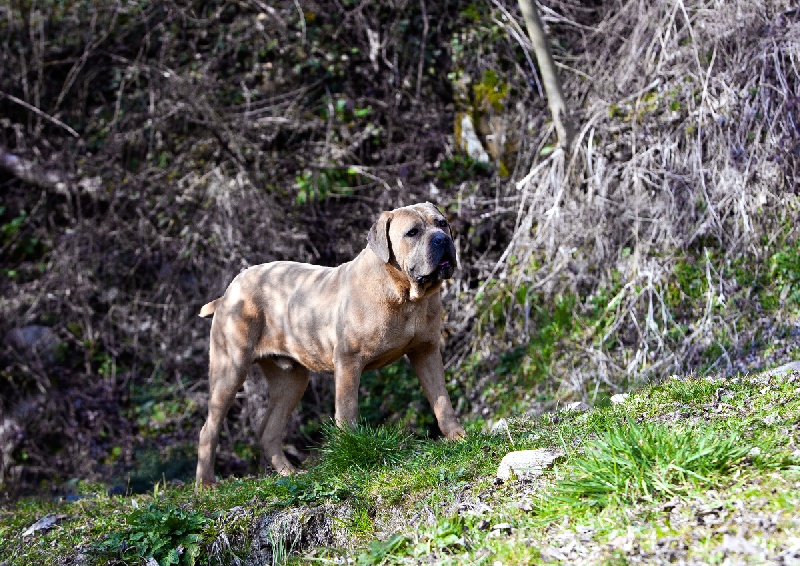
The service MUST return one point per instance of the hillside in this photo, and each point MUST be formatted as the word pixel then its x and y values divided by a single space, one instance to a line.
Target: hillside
pixel 695 470
pixel 149 151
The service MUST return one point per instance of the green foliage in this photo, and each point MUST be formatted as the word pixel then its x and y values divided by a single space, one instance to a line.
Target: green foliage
pixel 394 394
pixel 363 447
pixel 319 185
pixel 648 461
pixel 459 168
pixel 490 91
pixel 166 533
pixel 446 536
pixel 784 269
pixel 15 241
pixel 380 552
pixel 689 282
pixel 309 489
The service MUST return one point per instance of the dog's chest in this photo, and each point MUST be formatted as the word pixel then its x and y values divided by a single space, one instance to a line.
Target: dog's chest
pixel 405 327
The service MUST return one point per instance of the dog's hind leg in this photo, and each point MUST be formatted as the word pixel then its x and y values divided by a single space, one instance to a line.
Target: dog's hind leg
pixel 287 381
pixel 226 375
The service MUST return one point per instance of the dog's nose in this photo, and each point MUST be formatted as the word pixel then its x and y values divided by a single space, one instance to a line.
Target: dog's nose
pixel 439 240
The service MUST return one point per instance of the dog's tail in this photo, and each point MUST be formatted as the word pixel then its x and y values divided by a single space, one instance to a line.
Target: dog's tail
pixel 209 308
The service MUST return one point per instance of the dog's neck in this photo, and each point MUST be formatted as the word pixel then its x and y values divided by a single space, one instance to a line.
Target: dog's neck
pixel 405 288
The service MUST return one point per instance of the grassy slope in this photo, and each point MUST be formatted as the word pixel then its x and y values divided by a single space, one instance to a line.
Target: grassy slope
pixel 439 501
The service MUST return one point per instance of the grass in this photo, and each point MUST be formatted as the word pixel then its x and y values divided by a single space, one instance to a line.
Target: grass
pixel 635 462
pixel 697 447
pixel 363 448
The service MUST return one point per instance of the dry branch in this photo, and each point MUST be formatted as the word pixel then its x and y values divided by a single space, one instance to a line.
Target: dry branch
pixel 33 173
pixel 550 78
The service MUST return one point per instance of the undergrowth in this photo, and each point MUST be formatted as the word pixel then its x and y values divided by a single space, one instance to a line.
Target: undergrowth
pixel 166 533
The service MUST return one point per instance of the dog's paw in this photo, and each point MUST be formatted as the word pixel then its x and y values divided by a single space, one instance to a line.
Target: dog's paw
pixel 205 484
pixel 456 433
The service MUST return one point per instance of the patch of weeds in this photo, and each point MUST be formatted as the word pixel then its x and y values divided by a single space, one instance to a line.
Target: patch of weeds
pixel 690 390
pixel 448 535
pixel 459 168
pixel 632 462
pixel 308 489
pixel 14 240
pixel 784 269
pixel 360 523
pixel 319 185
pixel 689 281
pixel 490 91
pixel 363 447
pixel 165 533
pixel 383 552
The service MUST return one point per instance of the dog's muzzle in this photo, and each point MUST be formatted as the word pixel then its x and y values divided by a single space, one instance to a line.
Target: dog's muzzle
pixel 441 247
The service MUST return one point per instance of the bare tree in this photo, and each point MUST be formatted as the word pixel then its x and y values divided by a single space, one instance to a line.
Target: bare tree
pixel 550 78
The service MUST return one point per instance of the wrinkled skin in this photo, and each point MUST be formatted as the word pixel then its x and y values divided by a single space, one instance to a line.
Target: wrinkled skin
pixel 290 318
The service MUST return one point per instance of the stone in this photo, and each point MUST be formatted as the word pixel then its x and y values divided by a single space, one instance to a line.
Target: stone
pixel 528 464
pixel 619 398
pixel 738 545
pixel 470 142
pixel 503 527
pixel 576 407
pixel 791 367
pixel 294 530
pixel 35 342
pixel 44 524
pixel 499 427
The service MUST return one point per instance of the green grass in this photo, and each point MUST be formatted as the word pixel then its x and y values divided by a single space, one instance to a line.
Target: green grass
pixel 634 462
pixel 363 448
pixel 693 443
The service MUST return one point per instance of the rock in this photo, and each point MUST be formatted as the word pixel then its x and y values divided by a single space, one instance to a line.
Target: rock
pixel 619 398
pixel 770 419
pixel 279 534
pixel 44 524
pixel 577 407
pixel 503 527
pixel 499 427
pixel 528 464
pixel 35 342
pixel 738 545
pixel 791 367
pixel 470 142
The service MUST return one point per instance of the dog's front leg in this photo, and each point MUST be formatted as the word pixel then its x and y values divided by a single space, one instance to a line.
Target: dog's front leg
pixel 427 364
pixel 347 375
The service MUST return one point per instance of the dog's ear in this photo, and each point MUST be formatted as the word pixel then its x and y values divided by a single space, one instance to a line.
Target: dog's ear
pixel 378 237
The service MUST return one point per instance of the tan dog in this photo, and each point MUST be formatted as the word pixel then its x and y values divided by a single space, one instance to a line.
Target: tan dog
pixel 290 318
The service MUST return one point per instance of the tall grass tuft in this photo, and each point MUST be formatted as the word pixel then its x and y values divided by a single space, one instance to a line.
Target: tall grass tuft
pixel 648 461
pixel 363 447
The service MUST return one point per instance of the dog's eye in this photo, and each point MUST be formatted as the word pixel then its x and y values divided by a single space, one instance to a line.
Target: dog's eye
pixel 440 223
pixel 413 232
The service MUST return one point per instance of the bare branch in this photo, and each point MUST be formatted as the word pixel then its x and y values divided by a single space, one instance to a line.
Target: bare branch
pixel 44 115
pixel 550 78
pixel 33 173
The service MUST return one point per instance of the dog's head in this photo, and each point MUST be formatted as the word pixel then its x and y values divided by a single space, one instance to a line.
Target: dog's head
pixel 415 239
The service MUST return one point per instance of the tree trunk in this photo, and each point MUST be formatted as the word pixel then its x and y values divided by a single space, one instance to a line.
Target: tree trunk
pixel 550 78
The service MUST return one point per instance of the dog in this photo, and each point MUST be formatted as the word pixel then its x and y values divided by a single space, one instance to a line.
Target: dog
pixel 292 318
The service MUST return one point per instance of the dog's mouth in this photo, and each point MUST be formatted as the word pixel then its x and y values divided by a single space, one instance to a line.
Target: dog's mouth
pixel 444 270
